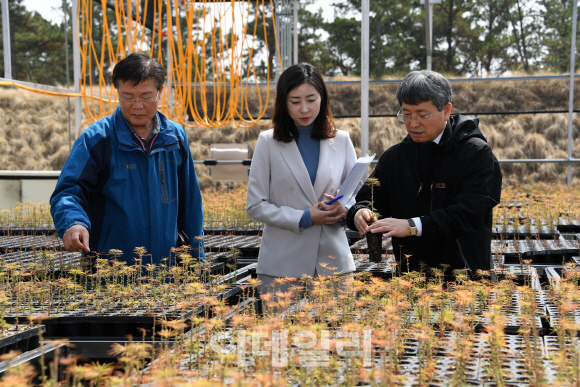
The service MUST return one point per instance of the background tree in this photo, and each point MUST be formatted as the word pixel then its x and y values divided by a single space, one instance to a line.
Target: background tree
pixel 525 26
pixel 455 33
pixel 492 45
pixel 395 35
pixel 557 35
pixel 37 47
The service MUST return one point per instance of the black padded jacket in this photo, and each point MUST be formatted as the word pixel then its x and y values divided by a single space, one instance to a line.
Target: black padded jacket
pixel 452 186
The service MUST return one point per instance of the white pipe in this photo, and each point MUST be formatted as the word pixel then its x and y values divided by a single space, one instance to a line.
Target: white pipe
pixel 571 97
pixel 364 72
pixel 77 64
pixel 428 21
pixel 6 40
pixel 295 31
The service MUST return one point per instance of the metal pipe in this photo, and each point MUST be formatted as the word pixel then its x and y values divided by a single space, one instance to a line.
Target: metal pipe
pixel 295 31
pixel 571 97
pixel 428 34
pixel 77 64
pixel 6 40
pixel 364 100
pixel 65 25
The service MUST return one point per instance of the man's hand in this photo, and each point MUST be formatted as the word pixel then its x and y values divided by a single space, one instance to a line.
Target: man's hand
pixel 361 218
pixel 76 238
pixel 327 214
pixel 391 227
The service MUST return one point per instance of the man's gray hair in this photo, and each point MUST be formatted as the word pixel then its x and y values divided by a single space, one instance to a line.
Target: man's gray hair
pixel 424 86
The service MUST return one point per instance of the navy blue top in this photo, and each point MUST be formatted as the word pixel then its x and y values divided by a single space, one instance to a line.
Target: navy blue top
pixel 310 151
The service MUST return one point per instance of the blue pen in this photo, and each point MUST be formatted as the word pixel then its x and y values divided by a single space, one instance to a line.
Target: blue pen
pixel 333 200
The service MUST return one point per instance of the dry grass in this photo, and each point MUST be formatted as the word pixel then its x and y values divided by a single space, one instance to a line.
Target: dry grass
pixel 34 129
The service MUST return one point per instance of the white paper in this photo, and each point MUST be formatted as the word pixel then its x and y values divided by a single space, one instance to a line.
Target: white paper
pixel 355 179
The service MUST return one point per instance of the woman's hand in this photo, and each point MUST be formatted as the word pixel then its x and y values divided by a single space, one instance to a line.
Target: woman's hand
pixel 391 227
pixel 327 213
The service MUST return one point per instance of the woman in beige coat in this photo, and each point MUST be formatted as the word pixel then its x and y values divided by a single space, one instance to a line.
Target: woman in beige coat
pixel 298 166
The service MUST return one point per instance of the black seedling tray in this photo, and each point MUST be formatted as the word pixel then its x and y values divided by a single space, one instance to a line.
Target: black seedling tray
pixel 24 339
pixel 27 230
pixel 522 232
pixel 231 231
pixel 248 245
pixel 30 242
pixel 568 225
pixel 539 251
pixel 88 323
pixel 56 261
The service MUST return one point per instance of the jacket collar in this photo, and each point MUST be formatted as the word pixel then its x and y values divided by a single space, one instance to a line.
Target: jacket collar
pixel 291 155
pixel 124 134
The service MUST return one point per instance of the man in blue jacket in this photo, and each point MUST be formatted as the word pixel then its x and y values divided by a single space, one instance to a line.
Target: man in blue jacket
pixel 129 181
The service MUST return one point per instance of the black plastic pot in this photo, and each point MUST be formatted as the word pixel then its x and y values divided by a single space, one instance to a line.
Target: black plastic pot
pixel 375 246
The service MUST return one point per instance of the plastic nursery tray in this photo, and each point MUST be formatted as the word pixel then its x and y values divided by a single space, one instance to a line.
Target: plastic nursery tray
pixel 114 323
pixel 568 225
pixel 30 242
pixel 519 274
pixel 248 245
pixel 539 251
pixel 231 231
pixel 506 232
pixel 47 260
pixel 554 316
pixel 22 339
pixel 46 352
pixel 515 372
pixel 27 230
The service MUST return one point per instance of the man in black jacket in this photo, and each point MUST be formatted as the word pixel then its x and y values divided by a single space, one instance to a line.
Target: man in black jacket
pixel 437 187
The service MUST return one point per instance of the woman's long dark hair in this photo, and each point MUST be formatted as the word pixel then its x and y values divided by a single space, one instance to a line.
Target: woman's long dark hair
pixel 293 77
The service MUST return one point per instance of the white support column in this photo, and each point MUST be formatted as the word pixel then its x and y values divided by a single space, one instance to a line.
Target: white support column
pixel 571 96
pixel 364 71
pixel 76 64
pixel 6 40
pixel 295 32
pixel 429 30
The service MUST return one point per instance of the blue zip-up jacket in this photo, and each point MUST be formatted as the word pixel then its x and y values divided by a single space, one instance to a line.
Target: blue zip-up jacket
pixel 127 198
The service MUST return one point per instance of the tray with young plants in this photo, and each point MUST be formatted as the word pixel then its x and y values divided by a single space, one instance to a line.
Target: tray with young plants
pixel 247 245
pixel 523 274
pixel 524 228
pixel 568 223
pixel 368 339
pixel 22 337
pixel 30 242
pixel 116 299
pixel 40 262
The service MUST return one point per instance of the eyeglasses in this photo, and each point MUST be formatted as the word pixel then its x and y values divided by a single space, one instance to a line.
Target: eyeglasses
pixel 142 101
pixel 407 118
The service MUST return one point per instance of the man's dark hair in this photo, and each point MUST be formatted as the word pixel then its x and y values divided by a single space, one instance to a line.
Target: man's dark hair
pixel 136 68
pixel 293 77
pixel 424 86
